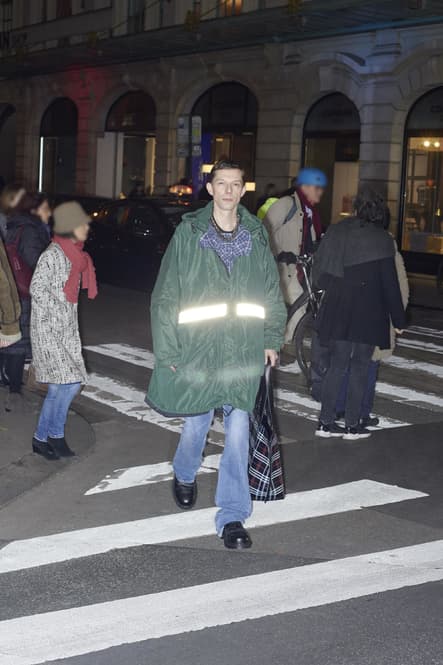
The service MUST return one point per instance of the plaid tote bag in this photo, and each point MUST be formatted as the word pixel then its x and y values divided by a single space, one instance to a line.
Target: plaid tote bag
pixel 266 482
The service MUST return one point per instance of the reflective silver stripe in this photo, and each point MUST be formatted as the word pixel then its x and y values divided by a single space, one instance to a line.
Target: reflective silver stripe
pixel 249 309
pixel 209 312
pixel 205 313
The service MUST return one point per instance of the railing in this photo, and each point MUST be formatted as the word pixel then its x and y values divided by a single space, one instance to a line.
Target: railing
pixel 87 26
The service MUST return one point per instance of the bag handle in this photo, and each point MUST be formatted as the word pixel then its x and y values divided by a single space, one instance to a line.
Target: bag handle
pixel 269 401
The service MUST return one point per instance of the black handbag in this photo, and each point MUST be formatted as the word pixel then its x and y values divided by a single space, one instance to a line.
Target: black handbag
pixel 266 479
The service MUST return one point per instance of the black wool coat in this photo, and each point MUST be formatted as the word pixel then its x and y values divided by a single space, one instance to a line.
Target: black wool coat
pixel 34 239
pixel 361 296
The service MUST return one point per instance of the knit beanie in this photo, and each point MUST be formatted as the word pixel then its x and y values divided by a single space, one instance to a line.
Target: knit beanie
pixel 68 217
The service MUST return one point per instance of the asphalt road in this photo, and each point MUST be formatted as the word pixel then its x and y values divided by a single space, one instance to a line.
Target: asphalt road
pixel 98 566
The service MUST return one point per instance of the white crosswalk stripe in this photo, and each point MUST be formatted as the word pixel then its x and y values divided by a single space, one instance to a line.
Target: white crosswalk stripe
pixel 82 630
pixel 167 528
pixel 129 401
pixel 147 474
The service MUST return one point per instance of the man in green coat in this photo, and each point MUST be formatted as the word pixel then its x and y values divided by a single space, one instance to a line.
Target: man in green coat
pixel 217 317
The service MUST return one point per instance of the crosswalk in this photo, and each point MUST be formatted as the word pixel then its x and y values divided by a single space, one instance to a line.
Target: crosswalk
pixel 87 628
pixel 89 624
pixel 290 397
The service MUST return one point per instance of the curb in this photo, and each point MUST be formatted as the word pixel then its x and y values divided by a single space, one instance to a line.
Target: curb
pixel 31 470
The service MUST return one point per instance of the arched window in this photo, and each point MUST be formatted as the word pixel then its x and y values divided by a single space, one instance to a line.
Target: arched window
pixel 7 142
pixel 58 147
pixel 331 142
pixel 228 113
pixel 134 113
pixel 126 152
pixel 422 213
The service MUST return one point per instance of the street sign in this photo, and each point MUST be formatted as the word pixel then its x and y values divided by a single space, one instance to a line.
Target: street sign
pixel 182 151
pixel 196 130
pixel 183 136
pixel 182 129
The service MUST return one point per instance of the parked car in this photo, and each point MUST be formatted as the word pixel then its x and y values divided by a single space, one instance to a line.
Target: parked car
pixel 128 239
pixel 91 204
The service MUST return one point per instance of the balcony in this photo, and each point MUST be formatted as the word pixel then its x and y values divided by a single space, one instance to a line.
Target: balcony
pixel 58 32
pixel 40 52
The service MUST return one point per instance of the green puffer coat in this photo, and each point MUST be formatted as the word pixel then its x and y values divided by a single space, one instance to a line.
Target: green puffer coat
pixel 218 361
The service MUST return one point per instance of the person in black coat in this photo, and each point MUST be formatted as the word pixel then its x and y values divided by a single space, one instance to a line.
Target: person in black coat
pixel 355 266
pixel 28 227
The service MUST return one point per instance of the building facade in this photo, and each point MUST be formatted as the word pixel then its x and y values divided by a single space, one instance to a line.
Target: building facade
pixel 98 96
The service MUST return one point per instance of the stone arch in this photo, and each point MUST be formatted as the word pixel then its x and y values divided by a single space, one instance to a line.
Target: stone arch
pixel 240 145
pixel 193 90
pixel 111 96
pixel 58 146
pixel 416 76
pixel 328 73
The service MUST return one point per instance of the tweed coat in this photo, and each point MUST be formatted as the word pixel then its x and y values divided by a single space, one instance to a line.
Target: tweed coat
pixel 55 337
pixel 9 301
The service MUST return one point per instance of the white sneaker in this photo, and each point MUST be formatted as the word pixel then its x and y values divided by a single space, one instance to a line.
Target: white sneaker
pixel 329 431
pixel 355 433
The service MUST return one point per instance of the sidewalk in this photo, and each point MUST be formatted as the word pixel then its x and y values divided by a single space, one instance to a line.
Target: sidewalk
pixel 20 468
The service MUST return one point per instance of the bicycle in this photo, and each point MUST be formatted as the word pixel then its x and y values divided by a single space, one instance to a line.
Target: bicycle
pixel 311 298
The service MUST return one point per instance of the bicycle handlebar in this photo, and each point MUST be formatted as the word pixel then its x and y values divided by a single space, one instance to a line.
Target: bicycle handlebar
pixel 291 258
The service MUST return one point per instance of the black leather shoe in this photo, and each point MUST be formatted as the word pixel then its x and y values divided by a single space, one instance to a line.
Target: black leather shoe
pixel 61 447
pixel 44 449
pixel 236 537
pixel 185 494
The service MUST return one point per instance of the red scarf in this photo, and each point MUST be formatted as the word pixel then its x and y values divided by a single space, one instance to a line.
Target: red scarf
pixel 82 269
pixel 315 219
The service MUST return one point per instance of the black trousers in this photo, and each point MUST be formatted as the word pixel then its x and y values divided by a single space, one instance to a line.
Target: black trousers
pixel 12 370
pixel 343 356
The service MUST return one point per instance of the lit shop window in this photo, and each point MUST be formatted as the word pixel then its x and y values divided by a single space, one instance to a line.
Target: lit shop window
pixel 230 8
pixel 423 177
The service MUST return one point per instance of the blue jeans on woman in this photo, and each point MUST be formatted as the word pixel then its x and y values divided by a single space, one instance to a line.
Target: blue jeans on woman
pixel 232 496
pixel 368 397
pixel 54 411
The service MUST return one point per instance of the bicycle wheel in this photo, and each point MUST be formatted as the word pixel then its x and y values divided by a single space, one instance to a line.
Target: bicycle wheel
pixel 303 344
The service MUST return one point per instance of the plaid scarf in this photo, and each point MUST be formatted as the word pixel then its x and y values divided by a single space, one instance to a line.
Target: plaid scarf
pixel 228 248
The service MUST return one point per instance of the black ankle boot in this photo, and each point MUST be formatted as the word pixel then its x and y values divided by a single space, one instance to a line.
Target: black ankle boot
pixel 61 447
pixel 185 494
pixel 44 449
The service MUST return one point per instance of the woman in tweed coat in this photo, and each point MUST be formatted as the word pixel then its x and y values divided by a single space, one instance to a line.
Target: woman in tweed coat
pixel 55 337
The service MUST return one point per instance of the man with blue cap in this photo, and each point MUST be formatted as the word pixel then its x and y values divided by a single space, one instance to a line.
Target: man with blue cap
pixel 294 227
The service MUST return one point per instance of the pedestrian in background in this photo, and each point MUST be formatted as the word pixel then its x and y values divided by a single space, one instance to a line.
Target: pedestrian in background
pixel 366 419
pixel 57 349
pixel 355 266
pixel 294 227
pixel 27 237
pixel 270 192
pixel 9 303
pixel 9 199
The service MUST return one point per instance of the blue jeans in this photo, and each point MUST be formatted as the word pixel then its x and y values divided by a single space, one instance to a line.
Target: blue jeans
pixel 368 398
pixel 344 355
pixel 55 410
pixel 232 496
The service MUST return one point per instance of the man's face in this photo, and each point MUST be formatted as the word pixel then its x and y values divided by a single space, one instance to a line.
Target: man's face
pixel 227 188
pixel 312 193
